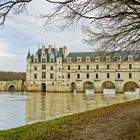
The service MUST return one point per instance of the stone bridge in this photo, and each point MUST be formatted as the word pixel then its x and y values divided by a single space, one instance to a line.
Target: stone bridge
pixel 16 85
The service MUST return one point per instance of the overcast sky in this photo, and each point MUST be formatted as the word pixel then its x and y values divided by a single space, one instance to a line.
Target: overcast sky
pixel 25 31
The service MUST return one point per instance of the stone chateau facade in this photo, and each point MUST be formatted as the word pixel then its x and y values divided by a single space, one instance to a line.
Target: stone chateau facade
pixel 53 70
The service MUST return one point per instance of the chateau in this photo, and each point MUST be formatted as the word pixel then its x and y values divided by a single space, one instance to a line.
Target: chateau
pixel 51 69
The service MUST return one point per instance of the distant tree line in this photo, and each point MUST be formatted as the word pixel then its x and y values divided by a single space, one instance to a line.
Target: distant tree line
pixel 9 76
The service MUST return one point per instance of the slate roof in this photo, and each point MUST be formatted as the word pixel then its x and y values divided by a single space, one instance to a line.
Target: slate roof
pixel 102 55
pixel 54 51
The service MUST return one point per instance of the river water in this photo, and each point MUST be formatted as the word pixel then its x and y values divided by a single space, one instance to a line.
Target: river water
pixel 17 109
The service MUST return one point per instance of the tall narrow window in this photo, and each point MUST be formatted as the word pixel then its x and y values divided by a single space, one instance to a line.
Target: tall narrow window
pixel 43 75
pixel 97 67
pixel 130 66
pixel 119 66
pixel 87 67
pixel 97 76
pixel 119 76
pixel 35 67
pixel 51 76
pixel 78 67
pixel 108 66
pixel 68 67
pixel 78 76
pixel 130 75
pixel 108 75
pixel 87 75
pixel 68 75
pixel 51 67
pixel 35 76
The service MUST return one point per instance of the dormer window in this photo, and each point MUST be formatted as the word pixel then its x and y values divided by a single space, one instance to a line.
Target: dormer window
pixel 130 58
pixel 108 58
pixel 97 59
pixel 43 60
pixel 35 60
pixel 119 58
pixel 78 59
pixel 87 59
pixel 51 60
pixel 68 59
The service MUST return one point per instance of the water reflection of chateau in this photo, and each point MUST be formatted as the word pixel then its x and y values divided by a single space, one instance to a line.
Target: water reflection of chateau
pixel 40 106
pixel 51 69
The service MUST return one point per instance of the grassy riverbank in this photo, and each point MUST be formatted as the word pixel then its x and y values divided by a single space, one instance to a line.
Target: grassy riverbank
pixel 120 120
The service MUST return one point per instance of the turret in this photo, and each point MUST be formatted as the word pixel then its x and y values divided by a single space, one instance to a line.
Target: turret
pixel 28 58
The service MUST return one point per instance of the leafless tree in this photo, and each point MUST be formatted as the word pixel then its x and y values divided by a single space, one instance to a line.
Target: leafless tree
pixel 114 24
pixel 14 6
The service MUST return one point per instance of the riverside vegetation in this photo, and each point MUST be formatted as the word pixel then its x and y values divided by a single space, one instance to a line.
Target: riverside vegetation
pixel 115 122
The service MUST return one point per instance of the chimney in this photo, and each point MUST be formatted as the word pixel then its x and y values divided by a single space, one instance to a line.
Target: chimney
pixel 49 49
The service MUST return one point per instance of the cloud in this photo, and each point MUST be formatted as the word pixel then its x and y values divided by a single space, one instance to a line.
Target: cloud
pixel 25 31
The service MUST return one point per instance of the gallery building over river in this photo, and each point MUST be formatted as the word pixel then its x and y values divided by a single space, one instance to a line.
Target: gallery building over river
pixel 52 69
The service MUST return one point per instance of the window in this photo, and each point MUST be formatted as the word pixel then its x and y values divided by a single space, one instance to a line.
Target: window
pixel 78 76
pixel 43 67
pixel 51 76
pixel 43 75
pixel 78 59
pixel 97 67
pixel 68 76
pixel 119 58
pixel 35 60
pixel 118 76
pixel 119 66
pixel 97 76
pixel 87 75
pixel 35 67
pixel 130 66
pixel 87 67
pixel 69 59
pixel 130 58
pixel 108 66
pixel 43 60
pixel 51 67
pixel 35 76
pixel 51 60
pixel 78 67
pixel 97 58
pixel 87 59
pixel 130 75
pixel 108 75
pixel 108 58
pixel 59 68
pixel 68 67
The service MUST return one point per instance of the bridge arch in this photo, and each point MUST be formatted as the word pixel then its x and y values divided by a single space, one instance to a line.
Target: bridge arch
pixel 11 87
pixel 43 87
pixel 108 85
pixel 88 85
pixel 130 86
pixel 73 86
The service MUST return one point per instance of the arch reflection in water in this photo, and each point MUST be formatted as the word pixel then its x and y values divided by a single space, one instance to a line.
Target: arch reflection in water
pixel 40 107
